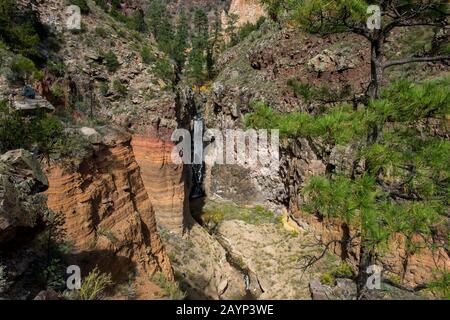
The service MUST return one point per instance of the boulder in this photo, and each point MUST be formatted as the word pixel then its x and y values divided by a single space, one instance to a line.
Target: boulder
pixel 22 208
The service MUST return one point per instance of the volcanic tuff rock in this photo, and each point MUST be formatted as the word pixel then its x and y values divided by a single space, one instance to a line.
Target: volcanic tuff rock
pixel 22 208
pixel 108 214
pixel 23 216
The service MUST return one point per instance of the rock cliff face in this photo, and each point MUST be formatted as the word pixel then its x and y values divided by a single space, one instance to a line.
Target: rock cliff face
pixel 167 183
pixel 247 10
pixel 22 208
pixel 23 217
pixel 108 214
pixel 259 69
pixel 164 181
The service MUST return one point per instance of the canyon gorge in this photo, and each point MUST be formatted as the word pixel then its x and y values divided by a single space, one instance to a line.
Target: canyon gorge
pixel 126 202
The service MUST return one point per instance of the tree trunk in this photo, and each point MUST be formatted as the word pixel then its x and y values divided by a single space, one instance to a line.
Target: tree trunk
pixel 366 259
pixel 376 79
pixel 376 70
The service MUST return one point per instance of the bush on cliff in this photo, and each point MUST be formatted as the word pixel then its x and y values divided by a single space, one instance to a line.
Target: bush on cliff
pixel 41 132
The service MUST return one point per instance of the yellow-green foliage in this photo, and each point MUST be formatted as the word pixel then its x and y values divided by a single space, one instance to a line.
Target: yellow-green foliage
pixel 94 285
pixel 344 270
pixel 171 289
pixel 217 212
pixel 441 285
pixel 327 279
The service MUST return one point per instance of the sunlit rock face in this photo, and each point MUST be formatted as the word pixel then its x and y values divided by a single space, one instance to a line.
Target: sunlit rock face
pixel 247 10
pixel 164 180
pixel 108 214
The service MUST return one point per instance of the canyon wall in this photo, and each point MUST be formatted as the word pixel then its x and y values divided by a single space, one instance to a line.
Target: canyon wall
pixel 249 11
pixel 164 180
pixel 335 62
pixel 108 214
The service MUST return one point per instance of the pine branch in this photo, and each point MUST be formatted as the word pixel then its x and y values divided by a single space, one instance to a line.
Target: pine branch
pixel 415 59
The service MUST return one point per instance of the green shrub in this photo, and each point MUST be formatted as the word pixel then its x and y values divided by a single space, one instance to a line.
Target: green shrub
pixel 247 28
pixel 344 270
pixel 120 88
pixel 164 69
pixel 108 234
pixel 84 8
pixel 102 4
pixel 22 68
pixel 56 68
pixel 21 29
pixel 171 289
pixel 57 91
pixel 104 88
pixel 441 285
pixel 101 32
pixel 38 75
pixel 147 55
pixel 18 131
pixel 137 22
pixel 321 93
pixel 214 213
pixel 112 64
pixel 94 285
pixel 327 279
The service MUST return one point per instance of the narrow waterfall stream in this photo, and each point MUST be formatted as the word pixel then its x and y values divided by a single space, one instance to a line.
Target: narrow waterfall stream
pixel 197 165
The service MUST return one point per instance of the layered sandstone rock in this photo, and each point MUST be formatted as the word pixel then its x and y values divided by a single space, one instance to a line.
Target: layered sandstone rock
pixel 108 214
pixel 163 180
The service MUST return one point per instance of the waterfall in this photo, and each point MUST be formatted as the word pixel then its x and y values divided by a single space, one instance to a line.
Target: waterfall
pixel 197 166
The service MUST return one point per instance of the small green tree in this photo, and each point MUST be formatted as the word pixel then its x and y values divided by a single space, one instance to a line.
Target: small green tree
pixel 21 29
pixel 274 8
pixel 112 63
pixel 160 26
pixel 197 57
pixel 137 21
pixel 39 131
pixel 231 29
pixel 181 42
pixel 82 4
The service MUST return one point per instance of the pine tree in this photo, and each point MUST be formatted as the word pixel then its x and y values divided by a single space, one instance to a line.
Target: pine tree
pixel 353 15
pixel 181 42
pixel 197 57
pixel 160 26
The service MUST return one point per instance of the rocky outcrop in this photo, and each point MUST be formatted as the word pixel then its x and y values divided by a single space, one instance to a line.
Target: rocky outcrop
pixel 22 208
pixel 248 11
pixel 23 218
pixel 108 214
pixel 164 180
